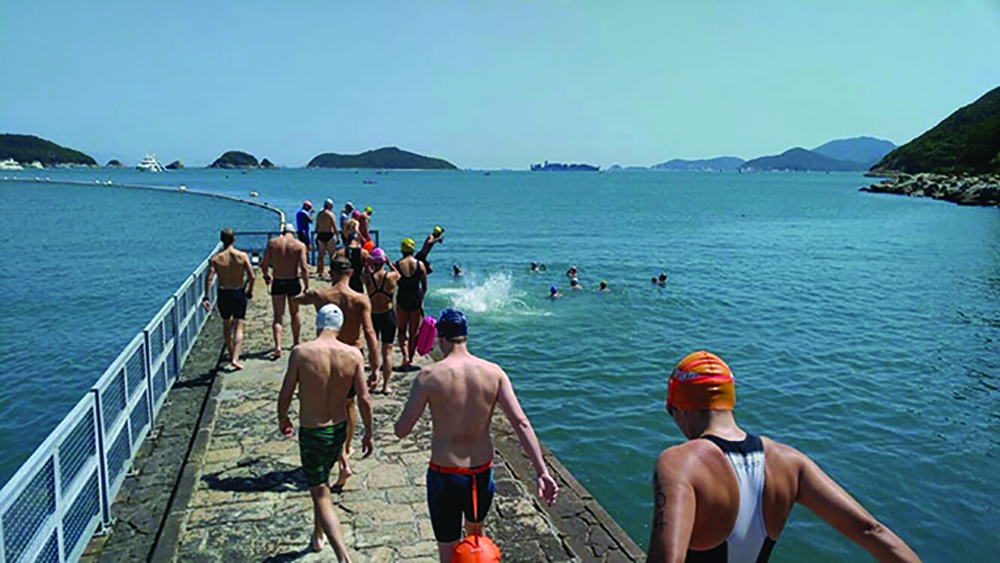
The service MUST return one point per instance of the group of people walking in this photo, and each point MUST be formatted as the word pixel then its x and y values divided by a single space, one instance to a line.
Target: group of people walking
pixel 725 495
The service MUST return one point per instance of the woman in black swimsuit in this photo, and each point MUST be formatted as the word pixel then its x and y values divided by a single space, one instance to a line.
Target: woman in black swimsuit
pixel 409 300
pixel 358 257
pixel 381 287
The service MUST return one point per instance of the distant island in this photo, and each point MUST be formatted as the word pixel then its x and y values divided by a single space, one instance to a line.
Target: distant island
pixel 966 142
pixel 29 148
pixel 841 155
pixel 235 159
pixel 866 151
pixel 175 165
pixel 114 163
pixel 560 167
pixel 386 158
pixel 718 164
pixel 267 164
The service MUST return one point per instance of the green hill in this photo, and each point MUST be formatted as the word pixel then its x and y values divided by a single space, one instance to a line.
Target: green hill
pixel 801 160
pixel 29 148
pixel 235 159
pixel 966 141
pixel 390 158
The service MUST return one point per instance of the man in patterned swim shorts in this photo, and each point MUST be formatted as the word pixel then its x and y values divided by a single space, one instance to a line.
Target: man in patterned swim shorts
pixel 324 371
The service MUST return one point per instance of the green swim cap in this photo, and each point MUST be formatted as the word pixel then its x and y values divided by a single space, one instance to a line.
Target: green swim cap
pixel 438 230
pixel 408 246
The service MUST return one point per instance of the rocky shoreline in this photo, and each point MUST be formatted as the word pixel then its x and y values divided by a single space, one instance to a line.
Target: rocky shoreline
pixel 981 190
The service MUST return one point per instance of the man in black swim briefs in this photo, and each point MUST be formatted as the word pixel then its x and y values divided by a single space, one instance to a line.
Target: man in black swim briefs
pixel 463 391
pixel 235 275
pixel 288 258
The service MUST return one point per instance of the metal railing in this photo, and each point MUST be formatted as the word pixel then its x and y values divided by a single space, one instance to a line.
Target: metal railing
pixel 63 493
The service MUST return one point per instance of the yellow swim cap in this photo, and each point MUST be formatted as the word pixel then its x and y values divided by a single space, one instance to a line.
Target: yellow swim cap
pixel 438 230
pixel 407 246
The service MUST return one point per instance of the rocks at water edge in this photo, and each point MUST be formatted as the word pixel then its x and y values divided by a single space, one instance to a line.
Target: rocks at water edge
pixel 235 159
pixel 982 190
pixel 175 165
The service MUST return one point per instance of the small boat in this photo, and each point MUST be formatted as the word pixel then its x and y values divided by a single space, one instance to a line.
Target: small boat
pixel 10 164
pixel 254 194
pixel 150 164
pixel 36 164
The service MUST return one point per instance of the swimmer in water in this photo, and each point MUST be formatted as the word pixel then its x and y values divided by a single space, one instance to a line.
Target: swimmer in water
pixel 554 293
pixel 456 271
pixel 571 272
pixel 534 266
pixel 574 284
pixel 604 287
pixel 663 279
pixel 652 280
pixel 727 491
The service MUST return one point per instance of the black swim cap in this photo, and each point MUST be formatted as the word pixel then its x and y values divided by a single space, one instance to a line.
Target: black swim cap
pixel 452 324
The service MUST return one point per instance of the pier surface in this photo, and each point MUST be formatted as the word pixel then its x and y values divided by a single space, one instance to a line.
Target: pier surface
pixel 242 496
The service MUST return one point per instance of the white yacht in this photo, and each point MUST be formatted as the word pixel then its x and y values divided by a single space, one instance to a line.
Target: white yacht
pixel 10 164
pixel 36 164
pixel 150 164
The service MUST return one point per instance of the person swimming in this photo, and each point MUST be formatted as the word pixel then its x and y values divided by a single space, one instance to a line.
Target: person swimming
pixel 662 281
pixel 604 287
pixel 457 271
pixel 575 284
pixel 554 293
pixel 534 266
pixel 652 280
pixel 571 272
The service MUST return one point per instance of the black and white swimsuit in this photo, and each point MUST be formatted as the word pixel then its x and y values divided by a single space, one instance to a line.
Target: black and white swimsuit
pixel 748 542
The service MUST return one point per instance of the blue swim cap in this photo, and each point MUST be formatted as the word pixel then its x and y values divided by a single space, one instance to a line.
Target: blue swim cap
pixel 553 289
pixel 451 324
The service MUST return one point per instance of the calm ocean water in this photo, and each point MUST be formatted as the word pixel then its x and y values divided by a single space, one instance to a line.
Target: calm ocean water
pixel 862 329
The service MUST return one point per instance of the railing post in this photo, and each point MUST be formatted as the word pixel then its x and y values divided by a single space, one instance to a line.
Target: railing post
pixel 149 379
pixel 102 461
pixel 57 484
pixel 2 556
pixel 177 344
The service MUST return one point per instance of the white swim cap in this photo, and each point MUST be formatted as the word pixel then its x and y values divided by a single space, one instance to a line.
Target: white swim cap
pixel 288 228
pixel 328 203
pixel 329 317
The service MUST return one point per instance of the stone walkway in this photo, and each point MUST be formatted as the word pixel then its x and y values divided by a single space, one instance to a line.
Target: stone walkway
pixel 249 501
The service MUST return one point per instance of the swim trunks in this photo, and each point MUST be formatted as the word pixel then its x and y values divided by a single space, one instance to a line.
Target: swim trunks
pixel 232 304
pixel 290 287
pixel 319 450
pixel 449 498
pixel 324 237
pixel 385 326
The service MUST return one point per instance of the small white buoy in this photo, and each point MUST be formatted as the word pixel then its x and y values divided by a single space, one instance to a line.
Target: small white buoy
pixel 182 188
pixel 253 194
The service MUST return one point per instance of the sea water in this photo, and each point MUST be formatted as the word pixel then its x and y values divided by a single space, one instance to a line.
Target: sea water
pixel 862 329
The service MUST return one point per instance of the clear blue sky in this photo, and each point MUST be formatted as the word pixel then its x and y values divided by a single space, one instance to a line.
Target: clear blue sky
pixel 488 84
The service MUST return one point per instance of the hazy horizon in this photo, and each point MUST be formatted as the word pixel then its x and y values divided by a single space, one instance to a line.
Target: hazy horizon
pixel 488 85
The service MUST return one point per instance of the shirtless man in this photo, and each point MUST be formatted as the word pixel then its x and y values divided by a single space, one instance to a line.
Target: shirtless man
pixel 235 288
pixel 436 236
pixel 288 258
pixel 357 318
pixel 324 370
pixel 728 493
pixel 380 284
pixel 326 235
pixel 462 391
pixel 345 216
pixel 364 223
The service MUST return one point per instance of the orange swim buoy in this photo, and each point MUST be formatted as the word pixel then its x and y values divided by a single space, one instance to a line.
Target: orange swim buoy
pixel 369 246
pixel 476 549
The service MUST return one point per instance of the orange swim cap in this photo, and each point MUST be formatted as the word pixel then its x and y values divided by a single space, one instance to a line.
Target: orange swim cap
pixel 701 381
pixel 476 549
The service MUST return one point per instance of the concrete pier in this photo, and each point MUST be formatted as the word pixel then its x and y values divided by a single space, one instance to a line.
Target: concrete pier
pixel 241 496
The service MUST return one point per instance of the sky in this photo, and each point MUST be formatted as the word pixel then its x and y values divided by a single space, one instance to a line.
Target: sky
pixel 488 84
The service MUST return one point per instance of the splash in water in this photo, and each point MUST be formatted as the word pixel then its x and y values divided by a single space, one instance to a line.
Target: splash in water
pixel 496 294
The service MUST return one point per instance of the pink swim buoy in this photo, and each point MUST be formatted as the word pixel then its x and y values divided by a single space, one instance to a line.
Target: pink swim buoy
pixel 427 336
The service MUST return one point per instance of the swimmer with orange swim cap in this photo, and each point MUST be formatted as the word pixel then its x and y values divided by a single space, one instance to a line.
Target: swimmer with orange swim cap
pixel 741 486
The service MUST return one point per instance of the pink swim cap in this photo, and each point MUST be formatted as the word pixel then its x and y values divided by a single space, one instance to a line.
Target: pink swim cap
pixel 307 204
pixel 356 214
pixel 378 256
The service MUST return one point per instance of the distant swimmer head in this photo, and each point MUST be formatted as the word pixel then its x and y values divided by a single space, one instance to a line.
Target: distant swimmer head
pixel 553 290
pixel 369 210
pixel 378 256
pixel 701 382
pixel 328 204
pixel 574 282
pixel 604 284
pixel 408 246
pixel 438 230
pixel 329 317
pixel 452 324
pixel 663 277
pixel 307 204
pixel 356 214
pixel 534 265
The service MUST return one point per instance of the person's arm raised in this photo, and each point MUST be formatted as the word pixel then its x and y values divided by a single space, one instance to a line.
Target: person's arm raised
pixel 547 487
pixel 824 497
pixel 364 399
pixel 673 510
pixel 286 394
pixel 415 406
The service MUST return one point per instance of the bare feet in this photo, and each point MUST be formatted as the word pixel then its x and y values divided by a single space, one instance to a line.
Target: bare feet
pixel 386 389
pixel 345 474
pixel 275 354
pixel 318 541
pixel 235 365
